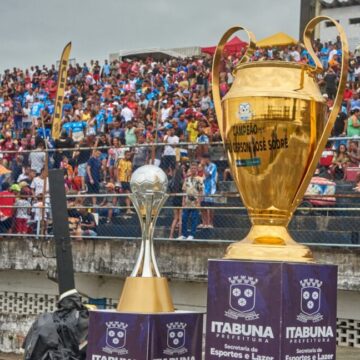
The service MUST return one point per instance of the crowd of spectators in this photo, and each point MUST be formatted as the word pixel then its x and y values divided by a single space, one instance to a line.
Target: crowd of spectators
pixel 113 115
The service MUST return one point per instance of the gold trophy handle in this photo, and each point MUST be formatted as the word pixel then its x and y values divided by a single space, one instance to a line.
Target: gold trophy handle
pixel 337 103
pixel 216 67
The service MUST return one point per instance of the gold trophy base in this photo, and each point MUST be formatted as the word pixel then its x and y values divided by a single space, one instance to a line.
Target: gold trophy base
pixel 146 295
pixel 269 243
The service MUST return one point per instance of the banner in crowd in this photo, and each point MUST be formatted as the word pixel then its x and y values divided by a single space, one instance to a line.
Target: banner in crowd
pixel 62 76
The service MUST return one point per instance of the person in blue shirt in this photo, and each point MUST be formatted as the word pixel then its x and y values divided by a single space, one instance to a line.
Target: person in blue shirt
pixel 100 121
pixel 305 54
pixel 93 173
pixel 210 180
pixel 67 105
pixel 105 70
pixel 182 123
pixel 324 56
pixel 66 126
pixel 36 109
pixel 109 117
pixel 117 131
pixel 78 129
pixel 18 116
pixel 50 106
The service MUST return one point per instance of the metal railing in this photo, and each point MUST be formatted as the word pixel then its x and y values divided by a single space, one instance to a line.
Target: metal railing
pixel 230 217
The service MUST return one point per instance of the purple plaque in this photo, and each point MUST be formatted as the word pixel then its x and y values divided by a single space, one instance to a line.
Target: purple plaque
pixel 271 311
pixel 124 336
pixel 309 311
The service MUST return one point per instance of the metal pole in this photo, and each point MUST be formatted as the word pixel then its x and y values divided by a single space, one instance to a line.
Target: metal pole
pixel 64 259
pixel 43 211
pixel 155 144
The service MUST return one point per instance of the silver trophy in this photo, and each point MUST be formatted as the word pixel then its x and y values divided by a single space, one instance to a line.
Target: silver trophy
pixel 145 290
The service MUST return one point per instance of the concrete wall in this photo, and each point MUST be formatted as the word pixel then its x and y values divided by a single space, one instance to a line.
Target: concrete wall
pixel 342 14
pixel 177 260
pixel 101 265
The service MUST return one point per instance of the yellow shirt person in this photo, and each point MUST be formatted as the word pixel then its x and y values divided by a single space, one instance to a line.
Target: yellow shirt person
pixel 192 130
pixel 124 170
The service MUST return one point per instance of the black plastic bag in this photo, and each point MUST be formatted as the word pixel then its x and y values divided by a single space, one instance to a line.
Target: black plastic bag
pixel 59 336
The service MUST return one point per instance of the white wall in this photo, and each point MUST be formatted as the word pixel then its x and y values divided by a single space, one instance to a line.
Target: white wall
pixel 342 14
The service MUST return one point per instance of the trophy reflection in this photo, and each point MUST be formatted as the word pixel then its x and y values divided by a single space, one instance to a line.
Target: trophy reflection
pixel 145 290
pixel 273 124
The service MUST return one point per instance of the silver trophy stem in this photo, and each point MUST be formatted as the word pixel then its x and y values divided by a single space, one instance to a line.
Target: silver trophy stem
pixel 148 212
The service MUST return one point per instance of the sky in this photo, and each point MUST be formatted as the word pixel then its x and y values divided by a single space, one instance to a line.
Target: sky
pixel 34 32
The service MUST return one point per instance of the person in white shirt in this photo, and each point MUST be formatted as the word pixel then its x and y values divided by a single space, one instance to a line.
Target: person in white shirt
pixel 29 98
pixel 169 156
pixel 127 113
pixel 295 54
pixel 37 158
pixel 37 184
pixel 166 111
pixel 332 52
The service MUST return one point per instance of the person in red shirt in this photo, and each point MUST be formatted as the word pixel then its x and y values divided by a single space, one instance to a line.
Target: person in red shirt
pixel 348 93
pixel 7 198
pixel 8 145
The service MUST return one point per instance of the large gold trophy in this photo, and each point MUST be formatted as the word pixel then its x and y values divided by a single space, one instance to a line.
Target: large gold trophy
pixel 273 124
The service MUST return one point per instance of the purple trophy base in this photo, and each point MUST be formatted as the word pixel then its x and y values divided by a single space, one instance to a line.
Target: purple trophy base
pixel 116 336
pixel 271 311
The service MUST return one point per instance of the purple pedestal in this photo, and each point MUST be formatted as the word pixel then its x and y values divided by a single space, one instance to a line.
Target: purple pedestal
pixel 271 311
pixel 124 336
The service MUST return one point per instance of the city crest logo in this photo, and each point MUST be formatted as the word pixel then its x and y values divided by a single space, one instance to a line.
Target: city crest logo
pixel 242 298
pixel 310 302
pixel 245 112
pixel 176 334
pixel 115 338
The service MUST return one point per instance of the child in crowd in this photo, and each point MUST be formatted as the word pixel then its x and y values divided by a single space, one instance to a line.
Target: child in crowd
pixel 22 215
pixel 123 176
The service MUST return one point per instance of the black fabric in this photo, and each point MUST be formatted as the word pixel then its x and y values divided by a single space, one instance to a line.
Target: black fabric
pixel 57 336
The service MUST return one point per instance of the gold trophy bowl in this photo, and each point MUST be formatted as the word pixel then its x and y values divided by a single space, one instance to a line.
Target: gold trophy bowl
pixel 273 124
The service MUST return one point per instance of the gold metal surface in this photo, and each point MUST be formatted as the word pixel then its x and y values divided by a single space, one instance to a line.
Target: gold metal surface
pixel 273 123
pixel 146 295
